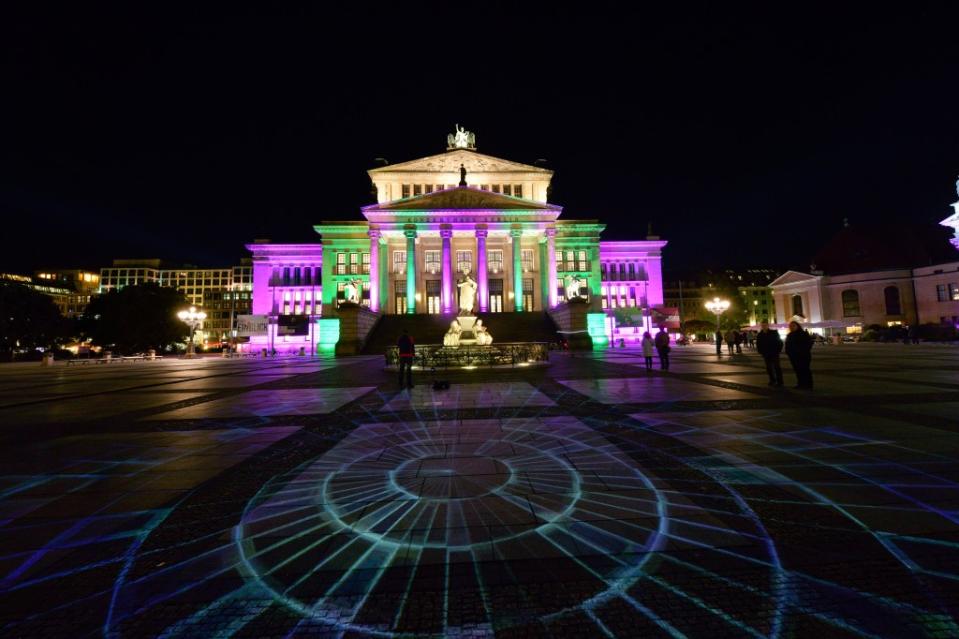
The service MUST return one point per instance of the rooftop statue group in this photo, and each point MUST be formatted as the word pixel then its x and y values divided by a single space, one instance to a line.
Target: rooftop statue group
pixel 461 139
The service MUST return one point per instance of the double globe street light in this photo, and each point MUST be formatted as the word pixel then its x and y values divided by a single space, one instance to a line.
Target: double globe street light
pixel 718 307
pixel 191 318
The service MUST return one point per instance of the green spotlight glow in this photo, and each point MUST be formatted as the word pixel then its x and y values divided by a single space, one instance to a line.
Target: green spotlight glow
pixel 596 327
pixel 328 331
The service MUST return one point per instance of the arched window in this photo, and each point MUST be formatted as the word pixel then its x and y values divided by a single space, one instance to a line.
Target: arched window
pixel 850 303
pixel 893 305
pixel 797 306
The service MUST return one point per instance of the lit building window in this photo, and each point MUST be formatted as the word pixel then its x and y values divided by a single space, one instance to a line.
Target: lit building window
pixel 526 257
pixel 464 261
pixel 517 190
pixel 366 263
pixel 494 261
pixel 406 190
pixel 433 262
pixel 399 262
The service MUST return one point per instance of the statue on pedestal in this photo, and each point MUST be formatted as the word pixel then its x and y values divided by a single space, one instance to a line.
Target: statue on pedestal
pixel 452 336
pixel 573 286
pixel 351 292
pixel 483 338
pixel 467 295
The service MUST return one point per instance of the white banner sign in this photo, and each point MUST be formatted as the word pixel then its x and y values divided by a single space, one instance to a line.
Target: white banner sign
pixel 249 325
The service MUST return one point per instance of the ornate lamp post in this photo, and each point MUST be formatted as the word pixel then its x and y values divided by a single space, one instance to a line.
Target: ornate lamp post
pixel 191 318
pixel 718 307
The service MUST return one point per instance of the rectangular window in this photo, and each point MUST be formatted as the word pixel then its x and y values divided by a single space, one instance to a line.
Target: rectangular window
pixel 582 264
pixel 354 263
pixel 526 257
pixel 494 261
pixel 602 272
pixel 433 262
pixel 622 271
pixel 464 261
pixel 495 188
pixel 366 263
pixel 941 294
pixel 570 261
pixel 507 189
pixel 954 292
pixel 399 262
pixel 429 188
pixel 632 271
pixel 417 189
pixel 484 187
pixel 340 264
pixel 406 191
pixel 517 190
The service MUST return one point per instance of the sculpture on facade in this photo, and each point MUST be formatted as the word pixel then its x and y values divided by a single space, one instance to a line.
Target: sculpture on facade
pixel 351 292
pixel 452 336
pixel 462 175
pixel 573 286
pixel 461 139
pixel 467 295
pixel 483 338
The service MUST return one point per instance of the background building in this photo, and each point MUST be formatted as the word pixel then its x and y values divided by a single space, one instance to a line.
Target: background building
pixel 223 293
pixel 875 276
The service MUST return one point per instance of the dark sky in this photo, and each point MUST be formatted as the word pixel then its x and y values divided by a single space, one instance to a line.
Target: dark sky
pixel 745 140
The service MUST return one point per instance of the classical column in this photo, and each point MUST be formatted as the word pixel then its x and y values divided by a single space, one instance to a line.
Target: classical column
pixel 374 270
pixel 482 284
pixel 543 275
pixel 446 234
pixel 410 270
pixel 551 254
pixel 517 235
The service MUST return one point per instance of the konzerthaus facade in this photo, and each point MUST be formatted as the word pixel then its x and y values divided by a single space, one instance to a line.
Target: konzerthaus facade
pixel 444 218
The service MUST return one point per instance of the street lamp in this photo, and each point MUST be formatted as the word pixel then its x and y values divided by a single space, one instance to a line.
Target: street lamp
pixel 191 318
pixel 718 307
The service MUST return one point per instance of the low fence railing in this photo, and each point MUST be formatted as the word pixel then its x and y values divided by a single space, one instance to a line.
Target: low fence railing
pixel 444 357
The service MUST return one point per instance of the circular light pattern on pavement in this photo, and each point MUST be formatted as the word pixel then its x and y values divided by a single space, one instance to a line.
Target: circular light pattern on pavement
pixel 391 502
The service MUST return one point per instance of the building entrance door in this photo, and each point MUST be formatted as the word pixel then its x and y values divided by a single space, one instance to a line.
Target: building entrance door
pixel 527 295
pixel 496 296
pixel 433 304
pixel 400 296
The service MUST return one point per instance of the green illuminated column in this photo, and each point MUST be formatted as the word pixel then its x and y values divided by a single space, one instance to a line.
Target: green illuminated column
pixel 410 271
pixel 543 275
pixel 517 235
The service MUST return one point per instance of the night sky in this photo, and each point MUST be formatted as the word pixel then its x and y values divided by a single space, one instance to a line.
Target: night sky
pixel 745 140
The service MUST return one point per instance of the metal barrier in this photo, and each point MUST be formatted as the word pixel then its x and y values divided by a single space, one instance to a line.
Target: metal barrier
pixel 445 357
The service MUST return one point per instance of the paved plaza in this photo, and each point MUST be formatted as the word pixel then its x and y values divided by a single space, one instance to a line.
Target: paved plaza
pixel 589 498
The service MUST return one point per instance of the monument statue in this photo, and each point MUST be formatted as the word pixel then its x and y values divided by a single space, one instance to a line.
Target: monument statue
pixel 483 338
pixel 467 295
pixel 452 336
pixel 462 175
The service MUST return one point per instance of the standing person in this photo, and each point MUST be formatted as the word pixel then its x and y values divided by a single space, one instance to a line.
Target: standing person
pixel 719 343
pixel 770 345
pixel 730 341
pixel 799 351
pixel 739 337
pixel 750 339
pixel 648 346
pixel 407 350
pixel 662 347
pixel 913 334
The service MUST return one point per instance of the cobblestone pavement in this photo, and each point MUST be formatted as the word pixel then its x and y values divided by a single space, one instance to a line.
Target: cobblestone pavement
pixel 589 498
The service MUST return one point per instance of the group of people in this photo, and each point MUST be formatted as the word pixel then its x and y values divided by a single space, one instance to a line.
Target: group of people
pixel 661 345
pixel 735 340
pixel 798 349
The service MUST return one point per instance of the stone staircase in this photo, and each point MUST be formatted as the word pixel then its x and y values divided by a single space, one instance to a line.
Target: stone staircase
pixel 429 329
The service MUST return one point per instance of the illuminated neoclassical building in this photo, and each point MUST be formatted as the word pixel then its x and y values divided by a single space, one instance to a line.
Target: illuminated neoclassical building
pixel 442 219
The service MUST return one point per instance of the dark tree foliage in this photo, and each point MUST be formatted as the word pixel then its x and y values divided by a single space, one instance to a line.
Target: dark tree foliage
pixel 136 318
pixel 28 319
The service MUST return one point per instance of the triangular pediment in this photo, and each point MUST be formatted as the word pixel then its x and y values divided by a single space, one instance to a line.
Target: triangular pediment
pixel 450 161
pixel 793 277
pixel 462 198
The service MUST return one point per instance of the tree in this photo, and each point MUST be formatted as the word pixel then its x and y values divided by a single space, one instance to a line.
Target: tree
pixel 28 319
pixel 136 318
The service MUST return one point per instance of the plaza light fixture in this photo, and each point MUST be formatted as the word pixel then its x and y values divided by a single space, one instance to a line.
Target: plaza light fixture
pixel 718 307
pixel 191 318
